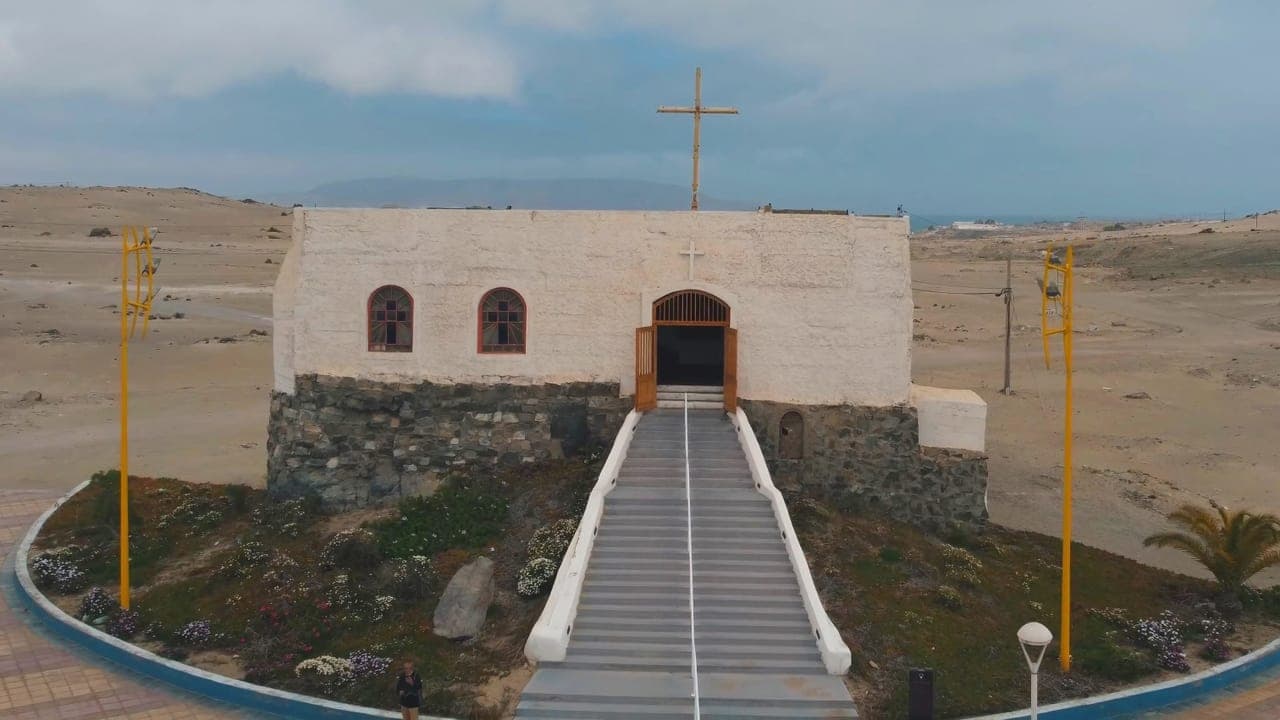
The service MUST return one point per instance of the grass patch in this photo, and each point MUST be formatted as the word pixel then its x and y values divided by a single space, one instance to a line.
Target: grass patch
pixel 904 599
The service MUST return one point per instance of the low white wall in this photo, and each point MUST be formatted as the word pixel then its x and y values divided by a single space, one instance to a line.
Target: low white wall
pixel 955 419
pixel 822 302
pixel 549 639
pixel 835 654
pixel 282 304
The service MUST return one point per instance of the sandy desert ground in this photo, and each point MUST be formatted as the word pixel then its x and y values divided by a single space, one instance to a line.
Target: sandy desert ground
pixel 1190 318
pixel 198 405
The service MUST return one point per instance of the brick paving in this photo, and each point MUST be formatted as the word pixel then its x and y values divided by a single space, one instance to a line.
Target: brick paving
pixel 42 679
pixel 1255 698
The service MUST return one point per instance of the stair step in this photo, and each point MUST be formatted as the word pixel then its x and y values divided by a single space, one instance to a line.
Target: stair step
pixel 600 709
pixel 678 519
pixel 656 637
pixel 789 708
pixel 622 664
pixel 698 404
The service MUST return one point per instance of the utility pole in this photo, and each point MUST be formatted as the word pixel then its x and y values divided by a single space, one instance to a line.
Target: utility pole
pixel 137 247
pixel 1007 292
pixel 1063 270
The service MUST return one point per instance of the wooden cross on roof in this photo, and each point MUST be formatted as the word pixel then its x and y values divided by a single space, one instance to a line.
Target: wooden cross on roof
pixel 697 110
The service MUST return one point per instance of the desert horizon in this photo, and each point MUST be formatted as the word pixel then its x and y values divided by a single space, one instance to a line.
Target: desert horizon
pixel 1177 349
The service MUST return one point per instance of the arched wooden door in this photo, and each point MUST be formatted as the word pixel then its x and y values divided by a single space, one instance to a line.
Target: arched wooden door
pixel 694 313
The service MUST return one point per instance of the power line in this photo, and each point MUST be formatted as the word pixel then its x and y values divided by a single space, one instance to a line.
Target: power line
pixel 949 286
pixel 995 293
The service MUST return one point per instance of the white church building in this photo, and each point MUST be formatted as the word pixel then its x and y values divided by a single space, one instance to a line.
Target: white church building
pixel 410 344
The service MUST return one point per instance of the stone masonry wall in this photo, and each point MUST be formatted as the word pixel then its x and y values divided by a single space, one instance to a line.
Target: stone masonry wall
pixel 361 442
pixel 872 457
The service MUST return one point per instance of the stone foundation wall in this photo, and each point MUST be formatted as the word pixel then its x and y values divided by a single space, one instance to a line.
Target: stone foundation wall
pixel 360 442
pixel 871 456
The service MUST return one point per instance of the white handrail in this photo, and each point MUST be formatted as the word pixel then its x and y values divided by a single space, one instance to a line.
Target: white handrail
pixel 549 639
pixel 835 654
pixel 688 509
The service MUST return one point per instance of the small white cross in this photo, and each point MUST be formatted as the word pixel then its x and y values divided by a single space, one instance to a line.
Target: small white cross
pixel 692 252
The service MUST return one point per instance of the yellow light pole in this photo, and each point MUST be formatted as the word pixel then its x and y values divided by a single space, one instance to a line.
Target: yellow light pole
pixel 137 248
pixel 1060 294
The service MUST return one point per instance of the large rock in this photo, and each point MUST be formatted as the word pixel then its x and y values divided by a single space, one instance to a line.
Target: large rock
pixel 465 602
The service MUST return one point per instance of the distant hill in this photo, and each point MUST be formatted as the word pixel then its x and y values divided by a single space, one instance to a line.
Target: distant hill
pixel 569 194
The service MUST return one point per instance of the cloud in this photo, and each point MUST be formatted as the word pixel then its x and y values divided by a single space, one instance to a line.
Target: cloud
pixel 896 47
pixel 159 48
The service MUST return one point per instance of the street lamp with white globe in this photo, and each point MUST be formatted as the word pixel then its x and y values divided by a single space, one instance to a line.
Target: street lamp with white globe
pixel 1034 638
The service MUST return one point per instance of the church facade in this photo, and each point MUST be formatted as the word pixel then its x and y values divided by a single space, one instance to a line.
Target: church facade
pixel 410 344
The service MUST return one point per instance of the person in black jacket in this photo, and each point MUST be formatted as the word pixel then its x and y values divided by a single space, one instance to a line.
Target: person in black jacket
pixel 409 688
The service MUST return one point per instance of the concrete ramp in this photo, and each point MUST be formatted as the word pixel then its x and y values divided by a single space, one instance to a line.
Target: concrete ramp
pixel 740 645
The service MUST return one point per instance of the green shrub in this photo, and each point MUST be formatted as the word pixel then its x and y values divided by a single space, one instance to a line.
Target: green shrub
pixel 244 559
pixel 105 508
pixel 1268 600
pixel 960 565
pixel 1113 227
pixel 457 516
pixel 1107 655
pixel 355 550
pixel 196 513
pixel 289 518
pixel 237 495
pixel 95 604
pixel 948 597
pixel 412 578
pixel 890 554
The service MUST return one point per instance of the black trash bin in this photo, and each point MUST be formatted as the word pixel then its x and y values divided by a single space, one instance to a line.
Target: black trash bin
pixel 920 694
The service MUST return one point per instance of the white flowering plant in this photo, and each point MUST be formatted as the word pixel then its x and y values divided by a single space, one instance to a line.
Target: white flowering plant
pixel 536 577
pixel 330 673
pixel 58 570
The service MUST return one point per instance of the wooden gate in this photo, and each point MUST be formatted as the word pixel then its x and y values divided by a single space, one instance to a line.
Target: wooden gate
pixel 730 369
pixel 646 368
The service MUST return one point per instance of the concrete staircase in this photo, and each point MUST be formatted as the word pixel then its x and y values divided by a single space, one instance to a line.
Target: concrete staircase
pixel 701 397
pixel 630 652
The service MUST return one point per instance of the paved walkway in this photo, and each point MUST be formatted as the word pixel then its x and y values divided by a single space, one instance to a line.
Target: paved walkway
pixel 43 679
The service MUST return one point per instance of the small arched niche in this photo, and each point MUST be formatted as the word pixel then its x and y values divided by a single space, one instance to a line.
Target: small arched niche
pixel 791 436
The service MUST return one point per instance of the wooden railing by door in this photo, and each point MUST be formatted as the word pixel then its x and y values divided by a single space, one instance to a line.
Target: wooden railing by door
pixel 730 369
pixel 646 368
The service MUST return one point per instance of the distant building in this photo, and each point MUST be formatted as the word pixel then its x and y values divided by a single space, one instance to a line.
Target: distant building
pixel 976 226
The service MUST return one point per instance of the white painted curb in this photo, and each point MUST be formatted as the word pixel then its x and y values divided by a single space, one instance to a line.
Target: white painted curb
pixel 835 654
pixel 220 688
pixel 549 639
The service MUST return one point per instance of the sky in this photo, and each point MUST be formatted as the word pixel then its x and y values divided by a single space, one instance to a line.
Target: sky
pixel 1120 108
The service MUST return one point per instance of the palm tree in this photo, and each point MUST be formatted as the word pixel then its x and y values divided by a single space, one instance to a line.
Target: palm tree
pixel 1234 546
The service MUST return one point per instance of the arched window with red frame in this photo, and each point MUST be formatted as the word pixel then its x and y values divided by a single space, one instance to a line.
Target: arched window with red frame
pixel 503 322
pixel 390 320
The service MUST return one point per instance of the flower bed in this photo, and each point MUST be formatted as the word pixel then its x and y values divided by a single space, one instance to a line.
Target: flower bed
pixel 301 601
pixel 904 599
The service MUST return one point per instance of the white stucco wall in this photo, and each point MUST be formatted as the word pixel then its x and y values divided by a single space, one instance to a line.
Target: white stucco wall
pixel 950 418
pixel 282 304
pixel 822 302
